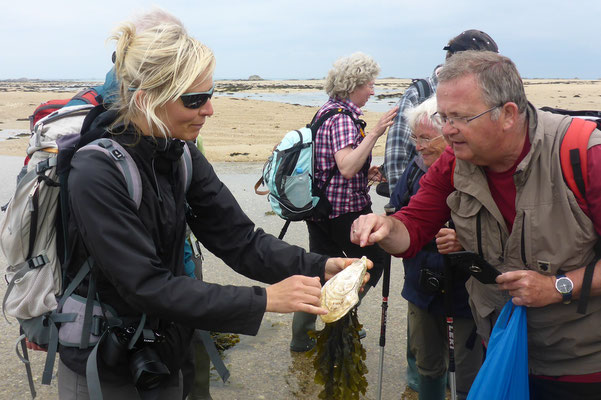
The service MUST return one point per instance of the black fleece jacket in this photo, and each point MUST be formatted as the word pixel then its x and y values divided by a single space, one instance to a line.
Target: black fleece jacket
pixel 138 253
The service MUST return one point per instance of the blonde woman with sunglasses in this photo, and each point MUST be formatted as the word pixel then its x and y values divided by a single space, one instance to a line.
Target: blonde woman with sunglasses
pixel 164 99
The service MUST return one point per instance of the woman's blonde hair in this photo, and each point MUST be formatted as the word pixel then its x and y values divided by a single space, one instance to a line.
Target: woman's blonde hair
pixel 155 66
pixel 349 72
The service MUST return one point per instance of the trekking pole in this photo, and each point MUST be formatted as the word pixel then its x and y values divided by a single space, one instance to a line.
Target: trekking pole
pixel 448 302
pixel 385 290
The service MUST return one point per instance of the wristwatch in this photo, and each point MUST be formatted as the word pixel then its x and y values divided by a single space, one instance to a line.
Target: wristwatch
pixel 564 285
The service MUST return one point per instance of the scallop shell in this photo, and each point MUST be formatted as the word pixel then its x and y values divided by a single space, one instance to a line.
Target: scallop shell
pixel 341 293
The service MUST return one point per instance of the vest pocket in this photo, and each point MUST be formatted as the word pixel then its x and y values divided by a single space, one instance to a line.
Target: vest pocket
pixel 464 211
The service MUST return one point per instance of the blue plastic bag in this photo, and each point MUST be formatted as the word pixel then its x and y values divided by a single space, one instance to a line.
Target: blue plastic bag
pixel 504 374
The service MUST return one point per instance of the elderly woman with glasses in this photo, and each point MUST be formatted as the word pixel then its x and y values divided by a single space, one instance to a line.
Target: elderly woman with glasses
pixel 424 279
pixel 343 158
pixel 137 276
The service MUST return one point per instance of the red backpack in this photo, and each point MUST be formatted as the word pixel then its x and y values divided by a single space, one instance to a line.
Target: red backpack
pixel 87 96
pixel 572 154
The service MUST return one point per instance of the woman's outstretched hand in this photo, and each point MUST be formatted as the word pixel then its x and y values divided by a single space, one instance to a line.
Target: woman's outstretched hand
pixel 302 293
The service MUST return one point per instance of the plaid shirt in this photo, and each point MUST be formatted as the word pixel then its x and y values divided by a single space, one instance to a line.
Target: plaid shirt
pixel 399 147
pixel 338 132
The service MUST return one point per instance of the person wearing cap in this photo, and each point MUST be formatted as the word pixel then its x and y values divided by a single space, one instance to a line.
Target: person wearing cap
pixel 400 150
pixel 502 183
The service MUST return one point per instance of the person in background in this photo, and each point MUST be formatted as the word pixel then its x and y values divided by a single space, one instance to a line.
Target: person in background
pixel 424 278
pixel 343 147
pixel 501 182
pixel 164 98
pixel 400 150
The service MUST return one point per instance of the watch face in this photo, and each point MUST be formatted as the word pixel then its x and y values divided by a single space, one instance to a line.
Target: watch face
pixel 564 285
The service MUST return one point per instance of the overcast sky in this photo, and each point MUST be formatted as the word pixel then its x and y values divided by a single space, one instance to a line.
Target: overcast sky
pixel 301 38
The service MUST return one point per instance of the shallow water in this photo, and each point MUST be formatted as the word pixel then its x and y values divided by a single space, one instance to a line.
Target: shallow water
pixel 313 99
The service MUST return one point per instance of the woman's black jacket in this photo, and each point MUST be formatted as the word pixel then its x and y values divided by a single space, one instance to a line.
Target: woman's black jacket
pixel 138 253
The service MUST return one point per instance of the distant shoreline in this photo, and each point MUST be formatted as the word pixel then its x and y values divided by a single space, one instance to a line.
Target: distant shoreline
pixel 246 129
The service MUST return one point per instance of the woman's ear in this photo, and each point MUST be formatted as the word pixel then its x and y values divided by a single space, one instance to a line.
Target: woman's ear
pixel 139 98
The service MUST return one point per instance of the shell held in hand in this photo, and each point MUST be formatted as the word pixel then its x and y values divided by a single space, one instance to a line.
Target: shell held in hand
pixel 341 293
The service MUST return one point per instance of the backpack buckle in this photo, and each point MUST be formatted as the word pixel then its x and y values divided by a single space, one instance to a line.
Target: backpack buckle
pixel 117 155
pixel 42 166
pixel 99 325
pixel 38 261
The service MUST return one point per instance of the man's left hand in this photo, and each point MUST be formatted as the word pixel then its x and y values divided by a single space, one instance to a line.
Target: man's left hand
pixel 529 288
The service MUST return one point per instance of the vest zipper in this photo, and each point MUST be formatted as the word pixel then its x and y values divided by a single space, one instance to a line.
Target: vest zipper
pixel 502 256
pixel 523 239
pixel 479 234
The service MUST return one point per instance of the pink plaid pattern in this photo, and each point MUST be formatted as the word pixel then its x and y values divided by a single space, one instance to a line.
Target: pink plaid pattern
pixel 338 132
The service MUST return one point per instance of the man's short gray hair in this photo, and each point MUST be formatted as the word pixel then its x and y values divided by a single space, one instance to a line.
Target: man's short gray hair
pixel 496 75
pixel 349 72
pixel 421 114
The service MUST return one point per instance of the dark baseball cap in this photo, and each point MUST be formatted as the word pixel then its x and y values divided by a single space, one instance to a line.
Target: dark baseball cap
pixel 471 40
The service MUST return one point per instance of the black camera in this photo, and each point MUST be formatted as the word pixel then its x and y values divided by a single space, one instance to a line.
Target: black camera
pixel 430 281
pixel 145 365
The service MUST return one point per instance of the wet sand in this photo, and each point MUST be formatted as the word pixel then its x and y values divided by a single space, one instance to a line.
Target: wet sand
pixel 261 367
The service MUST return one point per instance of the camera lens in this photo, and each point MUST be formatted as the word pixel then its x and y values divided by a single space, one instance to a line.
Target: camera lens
pixel 147 369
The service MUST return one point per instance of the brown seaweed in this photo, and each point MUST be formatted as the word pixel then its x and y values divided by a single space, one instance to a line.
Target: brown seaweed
pixel 340 359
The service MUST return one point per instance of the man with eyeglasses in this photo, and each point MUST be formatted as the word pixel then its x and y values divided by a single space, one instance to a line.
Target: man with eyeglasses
pixel 501 182
pixel 425 286
pixel 399 148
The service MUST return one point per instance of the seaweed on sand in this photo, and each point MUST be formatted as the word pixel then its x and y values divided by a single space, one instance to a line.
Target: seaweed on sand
pixel 340 359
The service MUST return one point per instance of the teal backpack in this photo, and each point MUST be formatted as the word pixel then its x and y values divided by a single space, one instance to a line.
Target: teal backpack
pixel 292 190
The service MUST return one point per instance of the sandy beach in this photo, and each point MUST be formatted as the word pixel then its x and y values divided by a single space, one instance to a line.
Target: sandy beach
pixel 246 130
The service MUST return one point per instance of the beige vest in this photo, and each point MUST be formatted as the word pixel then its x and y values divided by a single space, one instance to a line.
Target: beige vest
pixel 550 233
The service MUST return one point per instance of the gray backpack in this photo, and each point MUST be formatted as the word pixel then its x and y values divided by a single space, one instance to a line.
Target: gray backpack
pixel 29 236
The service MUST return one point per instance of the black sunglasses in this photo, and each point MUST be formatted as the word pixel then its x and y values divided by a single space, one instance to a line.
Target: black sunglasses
pixel 196 100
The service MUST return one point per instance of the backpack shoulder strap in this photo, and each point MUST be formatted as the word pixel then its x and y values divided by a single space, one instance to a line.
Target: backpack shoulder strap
pixel 316 124
pixel 412 179
pixel 572 155
pixel 124 162
pixel 424 90
pixel 88 96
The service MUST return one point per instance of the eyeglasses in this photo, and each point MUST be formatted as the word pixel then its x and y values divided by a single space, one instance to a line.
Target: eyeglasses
pixel 457 121
pixel 424 142
pixel 197 99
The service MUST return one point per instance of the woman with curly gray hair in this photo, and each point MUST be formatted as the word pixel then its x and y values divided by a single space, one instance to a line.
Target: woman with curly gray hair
pixel 343 155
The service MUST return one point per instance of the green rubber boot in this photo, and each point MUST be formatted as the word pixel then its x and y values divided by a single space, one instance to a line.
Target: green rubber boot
pixel 302 323
pixel 412 374
pixel 432 388
pixel 202 374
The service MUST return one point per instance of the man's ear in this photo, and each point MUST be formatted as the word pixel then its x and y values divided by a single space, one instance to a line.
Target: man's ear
pixel 509 115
